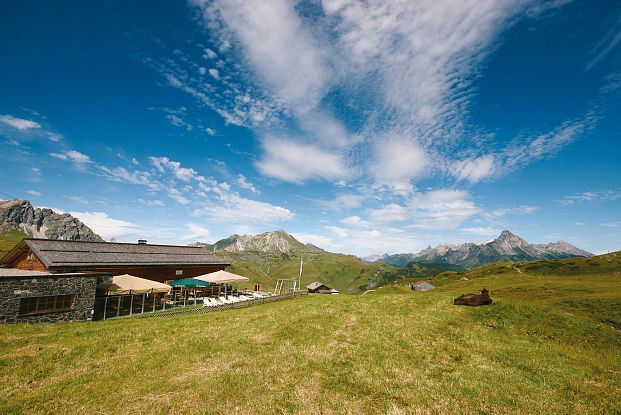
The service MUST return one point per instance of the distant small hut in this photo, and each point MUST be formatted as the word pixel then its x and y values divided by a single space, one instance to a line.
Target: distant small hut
pixel 421 286
pixel 320 288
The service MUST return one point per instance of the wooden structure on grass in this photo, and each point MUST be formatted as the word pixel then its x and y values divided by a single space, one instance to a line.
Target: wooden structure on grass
pixel 154 262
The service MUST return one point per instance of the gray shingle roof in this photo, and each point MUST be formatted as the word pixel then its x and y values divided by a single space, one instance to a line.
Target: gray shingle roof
pixel 59 254
pixel 423 286
pixel 315 285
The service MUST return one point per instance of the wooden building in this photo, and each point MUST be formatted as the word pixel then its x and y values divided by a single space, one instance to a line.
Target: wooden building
pixel 155 262
pixel 321 288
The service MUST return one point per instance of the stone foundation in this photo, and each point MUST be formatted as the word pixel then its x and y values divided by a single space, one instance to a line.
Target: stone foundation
pixel 14 288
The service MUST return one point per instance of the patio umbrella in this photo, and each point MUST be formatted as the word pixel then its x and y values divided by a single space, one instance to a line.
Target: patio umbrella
pixel 129 284
pixel 221 277
pixel 190 283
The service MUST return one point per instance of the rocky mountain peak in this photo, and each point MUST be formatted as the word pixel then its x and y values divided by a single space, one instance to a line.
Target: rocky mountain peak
pixel 43 223
pixel 508 236
pixel 507 247
pixel 270 242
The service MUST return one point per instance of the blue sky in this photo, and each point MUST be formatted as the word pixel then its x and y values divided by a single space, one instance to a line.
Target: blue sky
pixel 361 127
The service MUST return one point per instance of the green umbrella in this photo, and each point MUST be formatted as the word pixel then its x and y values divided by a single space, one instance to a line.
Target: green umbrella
pixel 189 283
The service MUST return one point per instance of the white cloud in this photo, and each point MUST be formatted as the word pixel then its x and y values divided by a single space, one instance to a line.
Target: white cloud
pixel 396 162
pixel 355 221
pixel 320 241
pixel 19 123
pixel 432 210
pixel 210 54
pixel 611 224
pixel 344 201
pixel 79 199
pixel 72 155
pixel 196 232
pixel 178 197
pixel 33 192
pixel 243 182
pixel 215 74
pixel 179 122
pixel 138 177
pixel 474 169
pixel 342 232
pixel 483 231
pixel 519 210
pixel 388 213
pixel 231 208
pixel 608 43
pixel 107 227
pixel 292 161
pixel 404 68
pixel 210 131
pixel 182 173
pixel 152 203
pixel 442 209
pixel 610 194
pixel 54 137
pixel 282 51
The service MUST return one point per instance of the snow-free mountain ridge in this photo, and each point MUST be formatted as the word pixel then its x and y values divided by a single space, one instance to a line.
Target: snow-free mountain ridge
pixel 43 223
pixel 268 242
pixel 507 247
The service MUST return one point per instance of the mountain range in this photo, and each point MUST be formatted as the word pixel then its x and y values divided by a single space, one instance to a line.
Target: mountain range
pixel 268 242
pixel 507 247
pixel 20 215
pixel 269 256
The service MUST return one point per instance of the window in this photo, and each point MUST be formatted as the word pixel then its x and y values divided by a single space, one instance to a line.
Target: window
pixel 47 304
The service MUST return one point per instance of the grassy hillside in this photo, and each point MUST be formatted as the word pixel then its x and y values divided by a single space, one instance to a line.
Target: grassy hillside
pixel 346 273
pixel 9 238
pixel 413 270
pixel 607 264
pixel 548 345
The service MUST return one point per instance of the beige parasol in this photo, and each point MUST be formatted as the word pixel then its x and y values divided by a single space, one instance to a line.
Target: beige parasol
pixel 128 284
pixel 221 277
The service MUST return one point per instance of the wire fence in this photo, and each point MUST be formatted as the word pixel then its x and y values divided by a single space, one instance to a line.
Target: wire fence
pixel 222 307
pixel 140 306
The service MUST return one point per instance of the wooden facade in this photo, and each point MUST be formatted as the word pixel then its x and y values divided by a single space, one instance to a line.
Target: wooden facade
pixel 28 261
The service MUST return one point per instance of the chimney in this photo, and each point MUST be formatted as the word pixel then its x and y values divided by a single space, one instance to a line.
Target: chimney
pixel 142 241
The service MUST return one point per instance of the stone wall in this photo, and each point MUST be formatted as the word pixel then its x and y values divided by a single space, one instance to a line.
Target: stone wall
pixel 12 289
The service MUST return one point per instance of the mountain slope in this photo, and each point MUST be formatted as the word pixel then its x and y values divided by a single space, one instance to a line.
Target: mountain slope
pixel 9 238
pixel 43 223
pixel 270 256
pixel 507 247
pixel 595 266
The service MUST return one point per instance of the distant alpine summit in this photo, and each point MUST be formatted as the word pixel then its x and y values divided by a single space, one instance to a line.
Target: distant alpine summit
pixel 507 247
pixel 269 242
pixel 43 223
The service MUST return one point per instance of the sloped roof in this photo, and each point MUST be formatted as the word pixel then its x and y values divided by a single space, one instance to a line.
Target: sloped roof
pixel 423 285
pixel 315 285
pixel 74 254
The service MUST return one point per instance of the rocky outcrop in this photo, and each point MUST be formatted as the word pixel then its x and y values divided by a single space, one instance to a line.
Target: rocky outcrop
pixel 269 242
pixel 43 223
pixel 507 247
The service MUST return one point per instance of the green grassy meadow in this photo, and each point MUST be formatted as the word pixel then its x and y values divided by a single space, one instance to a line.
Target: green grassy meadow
pixel 548 345
pixel 9 238
pixel 346 273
